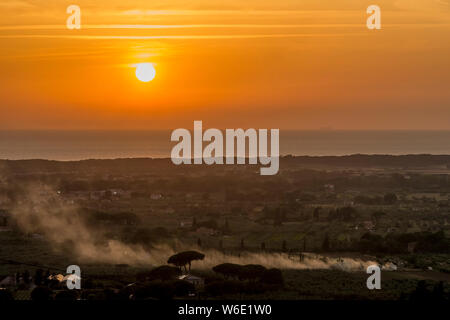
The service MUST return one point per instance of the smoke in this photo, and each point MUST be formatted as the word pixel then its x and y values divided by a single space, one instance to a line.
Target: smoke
pixel 283 261
pixel 41 210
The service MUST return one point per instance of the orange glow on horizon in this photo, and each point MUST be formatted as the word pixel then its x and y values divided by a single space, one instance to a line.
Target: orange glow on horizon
pixel 244 65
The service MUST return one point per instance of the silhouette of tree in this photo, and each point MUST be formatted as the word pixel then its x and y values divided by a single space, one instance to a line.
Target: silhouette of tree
pixel 228 269
pixel 284 245
pixel 251 272
pixel 185 258
pixel 163 273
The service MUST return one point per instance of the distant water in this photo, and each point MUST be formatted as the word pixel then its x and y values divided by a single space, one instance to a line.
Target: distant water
pixel 77 145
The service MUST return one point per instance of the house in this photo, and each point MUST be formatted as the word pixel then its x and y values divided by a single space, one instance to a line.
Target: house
pixel 185 224
pixel 368 225
pixel 156 196
pixel 391 229
pixel 389 266
pixel 196 281
pixel 119 193
pixel 97 195
pixel 167 210
pixel 258 209
pixel 256 212
pixel 9 281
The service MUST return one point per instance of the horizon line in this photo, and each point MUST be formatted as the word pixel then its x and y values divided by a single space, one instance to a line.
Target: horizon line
pixel 236 127
pixel 246 164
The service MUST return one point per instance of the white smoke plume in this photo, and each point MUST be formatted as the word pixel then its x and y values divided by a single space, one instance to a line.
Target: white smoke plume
pixel 42 211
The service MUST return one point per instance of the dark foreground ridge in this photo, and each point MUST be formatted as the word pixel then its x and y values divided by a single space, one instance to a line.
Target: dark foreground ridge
pixel 414 161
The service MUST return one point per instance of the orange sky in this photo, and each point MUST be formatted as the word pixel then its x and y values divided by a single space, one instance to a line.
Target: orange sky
pixel 289 64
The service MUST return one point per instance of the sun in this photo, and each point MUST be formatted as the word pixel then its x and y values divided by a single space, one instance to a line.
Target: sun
pixel 145 72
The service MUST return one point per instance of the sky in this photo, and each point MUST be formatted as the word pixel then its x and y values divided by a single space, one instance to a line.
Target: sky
pixel 288 64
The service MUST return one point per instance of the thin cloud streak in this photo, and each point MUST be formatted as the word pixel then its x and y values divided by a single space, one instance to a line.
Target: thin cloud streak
pixel 181 26
pixel 182 37
pixel 213 26
pixel 138 12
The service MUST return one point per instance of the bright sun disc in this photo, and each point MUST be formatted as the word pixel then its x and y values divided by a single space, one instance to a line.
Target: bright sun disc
pixel 145 72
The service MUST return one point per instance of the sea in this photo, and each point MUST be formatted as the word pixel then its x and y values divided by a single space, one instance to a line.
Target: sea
pixel 80 145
